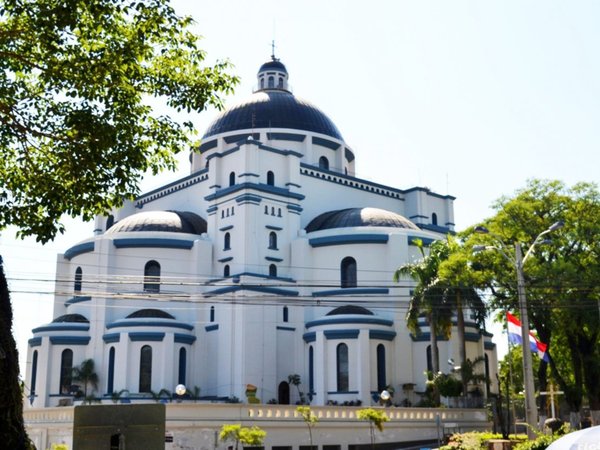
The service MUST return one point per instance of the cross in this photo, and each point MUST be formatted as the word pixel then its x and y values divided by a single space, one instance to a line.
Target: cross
pixel 552 393
pixel 273 50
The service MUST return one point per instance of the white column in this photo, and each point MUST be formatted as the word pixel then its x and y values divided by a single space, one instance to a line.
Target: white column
pixel 363 367
pixel 320 369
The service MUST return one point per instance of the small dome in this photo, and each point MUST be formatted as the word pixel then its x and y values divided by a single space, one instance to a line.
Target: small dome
pixel 359 217
pixel 350 309
pixel 273 109
pixel 166 221
pixel 275 64
pixel 70 318
pixel 150 313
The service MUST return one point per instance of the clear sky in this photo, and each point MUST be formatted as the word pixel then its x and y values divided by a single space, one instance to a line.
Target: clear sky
pixel 468 98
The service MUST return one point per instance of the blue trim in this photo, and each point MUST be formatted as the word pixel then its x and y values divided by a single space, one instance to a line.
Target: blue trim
pixel 273 227
pixel 279 151
pixel 110 338
pixel 309 337
pixel 205 146
pixel 267 188
pixel 222 260
pixel 124 323
pixel 211 328
pixel 223 153
pixel 146 336
pixel 258 275
pixel 294 208
pixel 212 209
pixel 428 192
pixel 341 392
pixel 286 137
pixel 293 185
pixel 152 243
pixel 489 345
pixel 383 335
pixel 271 258
pixel 70 340
pixel 434 228
pixel 286 328
pixel 348 154
pixel 62 326
pixel 248 174
pixel 249 198
pixel 349 239
pixel 426 337
pixel 263 289
pixel 235 138
pixel 169 188
pixel 215 186
pixel 184 339
pixel 426 241
pixel 418 216
pixel 341 334
pixel 78 299
pixel 325 143
pixel 35 342
pixel 228 227
pixel 342 320
pixel 79 249
pixel 351 291
pixel 472 337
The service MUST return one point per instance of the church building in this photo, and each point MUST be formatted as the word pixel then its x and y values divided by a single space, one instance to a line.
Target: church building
pixel 270 259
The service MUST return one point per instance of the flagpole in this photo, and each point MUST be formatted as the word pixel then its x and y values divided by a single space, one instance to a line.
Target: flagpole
pixel 510 377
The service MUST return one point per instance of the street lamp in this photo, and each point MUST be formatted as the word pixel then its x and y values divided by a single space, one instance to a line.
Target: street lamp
pixel 518 261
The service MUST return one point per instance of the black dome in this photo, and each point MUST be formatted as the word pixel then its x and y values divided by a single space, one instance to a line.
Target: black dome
pixel 71 318
pixel 273 109
pixel 150 313
pixel 359 217
pixel 350 309
pixel 273 65
pixel 167 221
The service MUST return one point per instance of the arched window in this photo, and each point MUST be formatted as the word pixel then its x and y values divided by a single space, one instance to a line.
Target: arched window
pixel 111 371
pixel 279 212
pixel 145 369
pixel 311 370
pixel 341 355
pixel 227 241
pixel 152 276
pixel 33 372
pixel 285 314
pixel 270 178
pixel 323 163
pixel 231 178
pixel 271 82
pixel 348 272
pixel 272 270
pixel 262 83
pixel 273 240
pixel 283 393
pixel 429 359
pixel 66 371
pixel 434 219
pixel 266 209
pixel 226 270
pixel 381 382
pixel 78 280
pixel 182 365
pixel 280 83
pixel 110 221
pixel 212 313
pixel 272 210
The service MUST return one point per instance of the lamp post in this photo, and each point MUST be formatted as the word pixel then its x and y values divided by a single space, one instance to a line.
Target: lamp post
pixel 518 261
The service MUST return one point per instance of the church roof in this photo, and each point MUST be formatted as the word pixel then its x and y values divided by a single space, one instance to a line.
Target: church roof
pixel 359 217
pixel 273 109
pixel 275 64
pixel 77 318
pixel 166 221
pixel 150 313
pixel 350 309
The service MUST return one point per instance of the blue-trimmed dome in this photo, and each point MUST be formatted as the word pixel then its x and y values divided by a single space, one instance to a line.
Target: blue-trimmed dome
pixel 150 313
pixel 71 318
pixel 274 64
pixel 273 109
pixel 165 221
pixel 359 217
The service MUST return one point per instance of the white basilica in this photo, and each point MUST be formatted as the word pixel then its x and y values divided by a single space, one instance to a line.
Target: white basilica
pixel 269 259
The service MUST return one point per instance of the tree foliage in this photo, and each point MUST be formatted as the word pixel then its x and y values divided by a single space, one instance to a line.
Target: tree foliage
pixel 376 419
pixel 77 85
pixel 561 277
pixel 86 374
pixel 245 435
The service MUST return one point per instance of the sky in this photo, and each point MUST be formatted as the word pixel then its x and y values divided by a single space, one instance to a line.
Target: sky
pixel 468 98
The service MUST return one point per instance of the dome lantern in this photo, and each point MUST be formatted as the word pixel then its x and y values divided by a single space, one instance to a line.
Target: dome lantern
pixel 272 75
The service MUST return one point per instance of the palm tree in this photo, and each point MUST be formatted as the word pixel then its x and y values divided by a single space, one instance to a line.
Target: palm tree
pixel 428 295
pixel 86 374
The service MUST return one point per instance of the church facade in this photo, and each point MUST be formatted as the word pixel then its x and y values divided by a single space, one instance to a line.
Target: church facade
pixel 270 259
